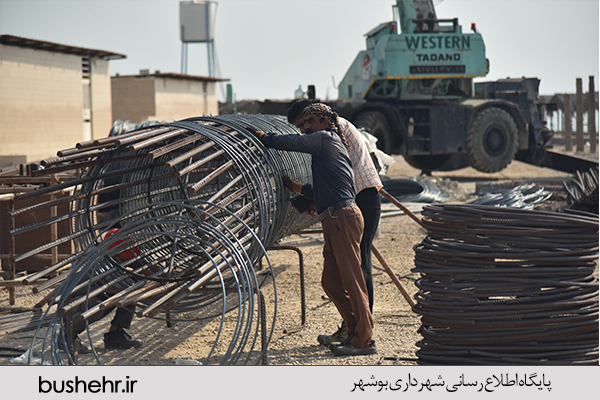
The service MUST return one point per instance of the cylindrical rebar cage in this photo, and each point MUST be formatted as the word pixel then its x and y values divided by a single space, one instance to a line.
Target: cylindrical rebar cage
pixel 195 203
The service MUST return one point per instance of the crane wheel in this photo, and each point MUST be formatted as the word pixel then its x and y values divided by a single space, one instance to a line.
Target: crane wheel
pixel 376 124
pixel 439 162
pixel 427 163
pixel 491 142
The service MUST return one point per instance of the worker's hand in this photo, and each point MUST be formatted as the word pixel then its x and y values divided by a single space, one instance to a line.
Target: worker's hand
pixel 291 184
pixel 312 210
pixel 258 134
pixel 303 205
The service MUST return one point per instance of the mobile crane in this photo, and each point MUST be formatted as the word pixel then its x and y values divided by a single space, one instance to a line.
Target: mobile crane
pixel 413 89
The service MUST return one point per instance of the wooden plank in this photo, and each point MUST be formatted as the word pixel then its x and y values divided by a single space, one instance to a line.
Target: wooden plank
pixel 579 115
pixel 591 113
pixel 568 114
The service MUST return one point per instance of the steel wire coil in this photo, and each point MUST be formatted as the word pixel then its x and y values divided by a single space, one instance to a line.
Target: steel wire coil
pixel 504 286
pixel 200 199
pixel 210 250
pixel 522 197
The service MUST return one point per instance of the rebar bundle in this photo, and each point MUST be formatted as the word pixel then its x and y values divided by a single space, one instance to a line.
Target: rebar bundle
pixel 505 286
pixel 583 191
pixel 197 201
pixel 523 197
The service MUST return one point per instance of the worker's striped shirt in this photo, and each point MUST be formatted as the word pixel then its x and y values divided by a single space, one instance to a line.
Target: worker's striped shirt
pixel 365 174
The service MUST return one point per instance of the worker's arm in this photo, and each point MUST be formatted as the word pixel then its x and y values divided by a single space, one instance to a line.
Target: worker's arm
pixel 291 184
pixel 304 189
pixel 310 144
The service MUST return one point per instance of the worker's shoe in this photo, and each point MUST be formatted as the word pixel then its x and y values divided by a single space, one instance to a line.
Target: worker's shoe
pixel 346 349
pixel 77 345
pixel 339 336
pixel 120 339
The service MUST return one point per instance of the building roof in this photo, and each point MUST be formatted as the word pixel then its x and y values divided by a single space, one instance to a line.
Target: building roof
pixel 173 76
pixel 11 40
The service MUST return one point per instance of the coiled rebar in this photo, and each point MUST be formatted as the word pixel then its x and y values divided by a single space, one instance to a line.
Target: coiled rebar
pixel 504 286
pixel 199 199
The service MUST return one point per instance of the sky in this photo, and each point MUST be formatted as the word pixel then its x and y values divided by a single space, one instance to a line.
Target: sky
pixel 267 48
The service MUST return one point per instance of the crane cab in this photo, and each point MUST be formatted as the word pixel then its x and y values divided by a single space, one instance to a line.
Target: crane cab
pixel 416 57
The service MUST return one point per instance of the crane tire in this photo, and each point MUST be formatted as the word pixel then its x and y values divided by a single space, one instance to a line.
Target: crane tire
pixel 376 124
pixel 491 141
pixel 427 163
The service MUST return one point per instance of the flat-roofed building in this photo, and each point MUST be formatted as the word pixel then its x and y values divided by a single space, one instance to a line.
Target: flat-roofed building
pixel 163 96
pixel 52 96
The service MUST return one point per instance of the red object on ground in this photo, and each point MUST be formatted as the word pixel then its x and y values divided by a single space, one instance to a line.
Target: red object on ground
pixel 126 254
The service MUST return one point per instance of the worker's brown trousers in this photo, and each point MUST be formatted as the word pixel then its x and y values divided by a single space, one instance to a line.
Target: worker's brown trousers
pixel 342 279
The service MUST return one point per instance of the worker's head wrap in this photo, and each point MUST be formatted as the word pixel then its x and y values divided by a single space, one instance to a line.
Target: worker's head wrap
pixel 324 111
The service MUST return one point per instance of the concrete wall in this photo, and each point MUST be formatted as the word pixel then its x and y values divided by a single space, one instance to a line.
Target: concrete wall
pixel 41 102
pixel 102 118
pixel 133 98
pixel 137 98
pixel 178 99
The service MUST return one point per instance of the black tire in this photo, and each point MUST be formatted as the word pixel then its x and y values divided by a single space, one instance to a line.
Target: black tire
pixel 427 163
pixel 439 162
pixel 492 140
pixel 376 124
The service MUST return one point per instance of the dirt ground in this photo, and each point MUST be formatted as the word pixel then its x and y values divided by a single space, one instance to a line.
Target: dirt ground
pixel 395 328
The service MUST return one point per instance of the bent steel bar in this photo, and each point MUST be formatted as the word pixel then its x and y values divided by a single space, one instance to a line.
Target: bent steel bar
pixel 199 198
pixel 505 286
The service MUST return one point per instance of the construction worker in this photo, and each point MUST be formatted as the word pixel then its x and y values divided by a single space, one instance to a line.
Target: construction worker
pixel 333 192
pixel 368 184
pixel 116 337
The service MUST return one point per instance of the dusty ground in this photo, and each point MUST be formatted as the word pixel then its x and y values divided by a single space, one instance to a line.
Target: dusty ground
pixel 395 324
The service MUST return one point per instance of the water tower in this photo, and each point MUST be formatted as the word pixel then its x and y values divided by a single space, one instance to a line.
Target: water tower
pixel 197 25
